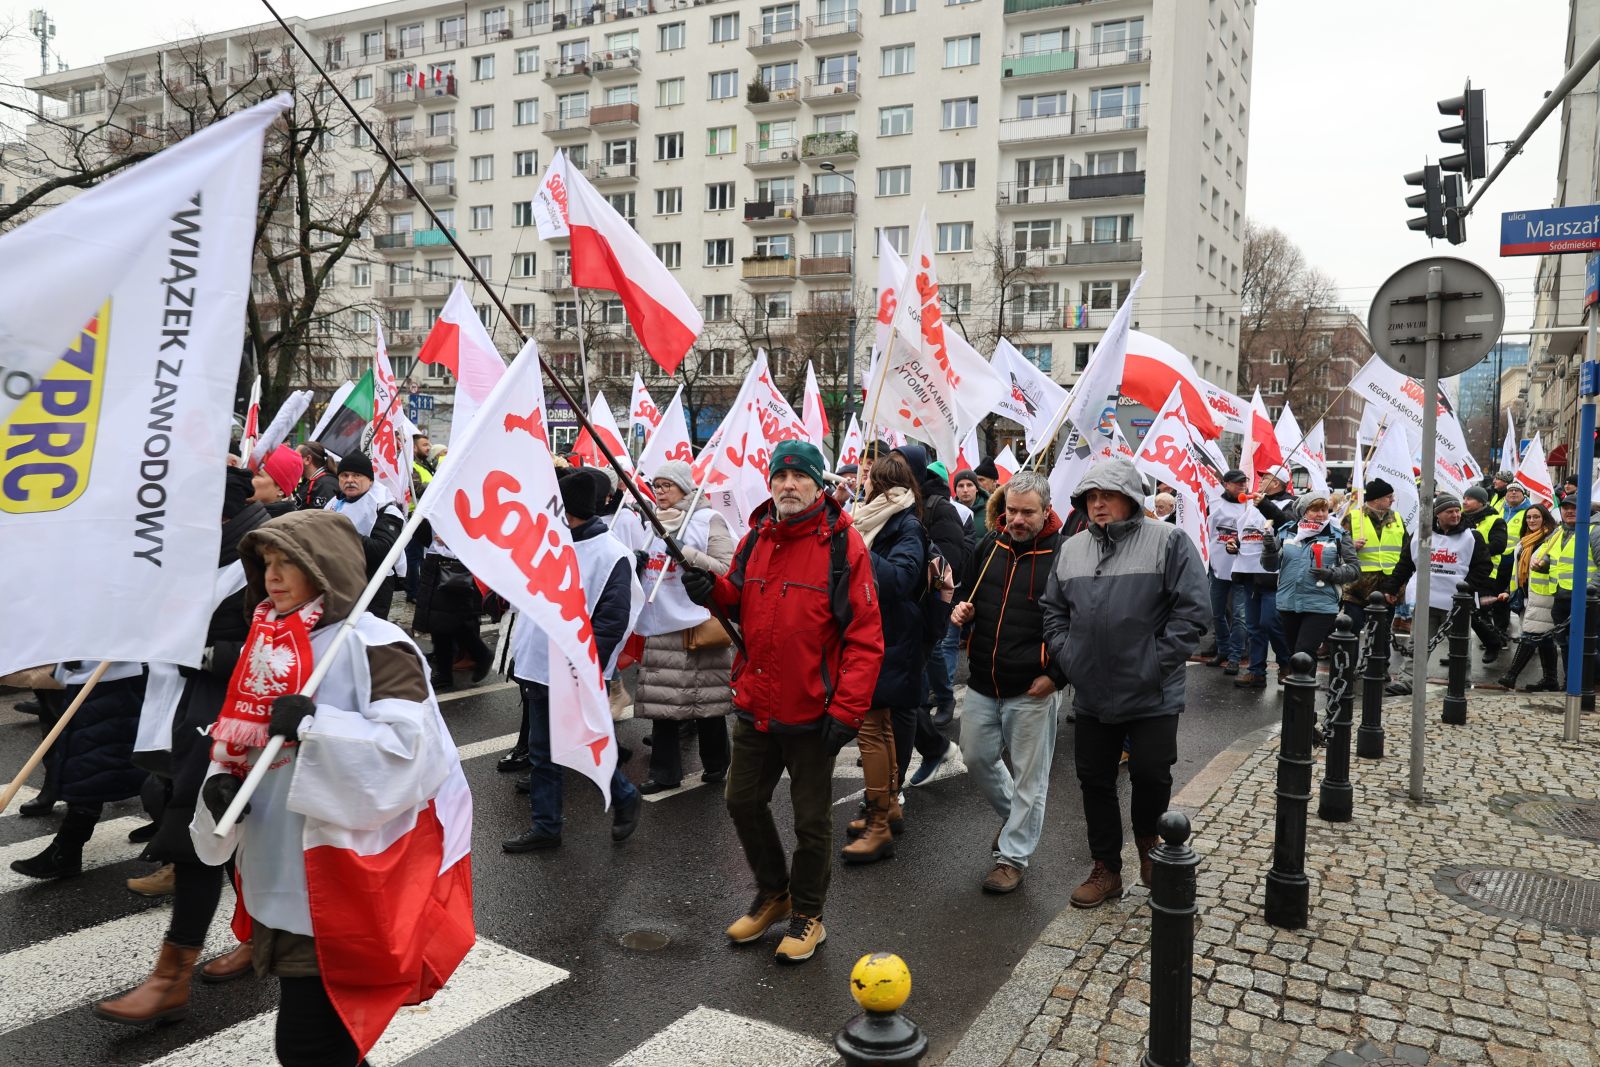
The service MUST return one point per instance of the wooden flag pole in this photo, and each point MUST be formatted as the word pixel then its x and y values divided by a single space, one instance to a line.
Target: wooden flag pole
pixel 50 738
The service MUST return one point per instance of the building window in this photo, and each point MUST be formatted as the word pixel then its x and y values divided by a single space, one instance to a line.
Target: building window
pixel 719 140
pixel 361 88
pixel 483 117
pixel 361 180
pixel 1040 355
pixel 894 181
pixel 724 28
pixel 724 84
pixel 525 162
pixel 719 196
pixel 1275 385
pixel 719 252
pixel 956 298
pixel 482 68
pixel 719 307
pixel 894 121
pixel 899 7
pixel 669 201
pixel 361 275
pixel 361 321
pixel 1104 296
pixel 898 237
pixel 1080 356
pixel 527 60
pixel 524 314
pixel 669 146
pixel 670 253
pixel 524 264
pixel 669 38
pixel 522 213
pixel 453 30
pixel 1109 229
pixel 898 59
pixel 440 268
pixel 960 113
pixel 958 174
pixel 1276 358
pixel 669 92
pixel 716 362
pixel 955 236
pixel 961 51
pixel 482 218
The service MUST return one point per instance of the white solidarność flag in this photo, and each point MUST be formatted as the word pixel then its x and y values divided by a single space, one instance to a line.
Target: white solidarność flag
pixel 1031 398
pixel 1175 453
pixel 670 440
pixel 850 451
pixel 57 271
pixel 382 447
pixel 642 410
pixel 1391 461
pixel 812 412
pixel 111 467
pixel 496 504
pixel 733 465
pixel 1309 449
pixel 1093 400
pixel 1386 387
pixel 1508 451
pixel 1533 473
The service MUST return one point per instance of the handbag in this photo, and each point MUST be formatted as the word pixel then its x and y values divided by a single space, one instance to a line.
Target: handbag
pixel 709 634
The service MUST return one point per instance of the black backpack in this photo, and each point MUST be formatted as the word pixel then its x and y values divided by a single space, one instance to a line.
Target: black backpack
pixel 838 573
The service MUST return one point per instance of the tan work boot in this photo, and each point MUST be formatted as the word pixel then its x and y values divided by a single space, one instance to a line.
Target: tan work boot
pixel 227 967
pixel 1145 844
pixel 159 883
pixel 800 943
pixel 766 909
pixel 161 998
pixel 1103 884
pixel 897 818
pixel 877 841
pixel 1003 879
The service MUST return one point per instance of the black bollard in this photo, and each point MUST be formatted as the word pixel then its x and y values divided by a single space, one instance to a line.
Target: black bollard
pixel 1288 889
pixel 880 1036
pixel 1172 890
pixel 1455 693
pixel 1337 794
pixel 1374 676
pixel 1591 628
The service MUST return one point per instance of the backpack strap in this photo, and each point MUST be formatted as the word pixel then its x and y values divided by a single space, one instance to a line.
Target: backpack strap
pixel 839 577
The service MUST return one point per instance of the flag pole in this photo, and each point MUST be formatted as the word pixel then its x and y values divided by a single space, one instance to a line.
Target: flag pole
pixel 583 357
pixel 50 738
pixel 582 414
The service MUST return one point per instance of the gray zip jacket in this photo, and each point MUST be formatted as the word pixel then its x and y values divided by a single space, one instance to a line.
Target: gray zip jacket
pixel 1125 607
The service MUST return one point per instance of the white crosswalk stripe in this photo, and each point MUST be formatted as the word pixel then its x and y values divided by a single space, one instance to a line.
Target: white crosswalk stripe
pixel 109 845
pixel 25 794
pixel 707 1037
pixel 490 978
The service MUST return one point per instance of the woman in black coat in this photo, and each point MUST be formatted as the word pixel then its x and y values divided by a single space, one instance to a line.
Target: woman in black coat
pixel 449 603
pixel 890 522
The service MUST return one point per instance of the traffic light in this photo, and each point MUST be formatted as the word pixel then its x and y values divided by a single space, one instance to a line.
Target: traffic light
pixel 1430 200
pixel 1471 133
pixel 1455 222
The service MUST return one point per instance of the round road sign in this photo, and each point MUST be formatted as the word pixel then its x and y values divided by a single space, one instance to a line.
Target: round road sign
pixel 1472 313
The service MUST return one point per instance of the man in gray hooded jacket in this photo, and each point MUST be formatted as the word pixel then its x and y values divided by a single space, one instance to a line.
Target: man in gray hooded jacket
pixel 1123 611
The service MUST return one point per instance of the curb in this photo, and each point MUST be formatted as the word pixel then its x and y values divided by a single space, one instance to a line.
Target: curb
pixel 1004 1022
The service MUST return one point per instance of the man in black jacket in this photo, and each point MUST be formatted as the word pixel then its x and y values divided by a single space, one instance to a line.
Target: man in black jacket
pixel 1011 691
pixel 377 517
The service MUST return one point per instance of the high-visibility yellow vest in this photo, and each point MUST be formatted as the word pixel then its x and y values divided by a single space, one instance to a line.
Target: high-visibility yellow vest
pixel 420 477
pixel 1381 553
pixel 1487 524
pixel 1514 531
pixel 1544 583
pixel 1561 559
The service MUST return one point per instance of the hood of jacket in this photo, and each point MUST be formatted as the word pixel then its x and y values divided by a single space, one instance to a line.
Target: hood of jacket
pixel 324 544
pixel 916 458
pixel 234 529
pixel 1119 476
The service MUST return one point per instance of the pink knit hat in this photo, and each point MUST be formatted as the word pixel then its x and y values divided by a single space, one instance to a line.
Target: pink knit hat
pixel 284 467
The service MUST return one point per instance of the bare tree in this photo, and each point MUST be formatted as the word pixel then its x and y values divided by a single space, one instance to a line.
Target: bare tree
pixel 1285 305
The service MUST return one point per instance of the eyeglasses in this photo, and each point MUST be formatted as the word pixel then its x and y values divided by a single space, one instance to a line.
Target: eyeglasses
pixel 661 487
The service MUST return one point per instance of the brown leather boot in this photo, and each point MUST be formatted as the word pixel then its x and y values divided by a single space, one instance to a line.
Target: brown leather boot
pixel 226 968
pixel 897 818
pixel 1103 884
pixel 161 998
pixel 1145 844
pixel 877 842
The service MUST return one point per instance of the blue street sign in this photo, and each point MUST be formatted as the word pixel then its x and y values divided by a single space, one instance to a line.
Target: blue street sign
pixel 1589 378
pixel 1591 281
pixel 1552 230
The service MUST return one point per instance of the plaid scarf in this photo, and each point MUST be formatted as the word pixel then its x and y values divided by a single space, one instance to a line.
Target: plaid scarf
pixel 275 661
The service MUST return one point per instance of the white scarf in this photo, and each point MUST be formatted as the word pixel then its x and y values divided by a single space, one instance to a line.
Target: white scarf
pixel 870 517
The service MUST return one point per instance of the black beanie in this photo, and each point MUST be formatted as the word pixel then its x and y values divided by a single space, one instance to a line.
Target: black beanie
pixel 582 491
pixel 237 489
pixel 1378 488
pixel 987 469
pixel 356 463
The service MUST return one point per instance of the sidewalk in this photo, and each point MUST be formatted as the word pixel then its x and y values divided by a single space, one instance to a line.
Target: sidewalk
pixel 1394 962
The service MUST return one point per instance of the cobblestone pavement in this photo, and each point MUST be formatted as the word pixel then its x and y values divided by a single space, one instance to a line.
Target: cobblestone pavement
pixel 1390 964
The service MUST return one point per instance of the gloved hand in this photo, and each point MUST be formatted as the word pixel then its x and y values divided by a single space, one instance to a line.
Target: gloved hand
pixel 835 734
pixel 288 712
pixel 1322 575
pixel 217 792
pixel 699 583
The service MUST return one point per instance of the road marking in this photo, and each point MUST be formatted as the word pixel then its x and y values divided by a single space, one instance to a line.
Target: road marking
pixel 461 694
pixel 62 973
pixel 707 1037
pixel 492 977
pixel 688 783
pixel 109 845
pixel 952 766
pixel 502 743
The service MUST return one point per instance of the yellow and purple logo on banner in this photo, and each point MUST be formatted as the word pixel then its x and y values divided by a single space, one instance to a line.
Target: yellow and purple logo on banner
pixel 46 448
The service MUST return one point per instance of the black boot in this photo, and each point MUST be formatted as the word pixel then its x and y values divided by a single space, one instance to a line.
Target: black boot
pixel 1519 660
pixel 58 860
pixel 1550 682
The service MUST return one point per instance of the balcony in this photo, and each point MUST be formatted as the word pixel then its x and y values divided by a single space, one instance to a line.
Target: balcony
pixel 430 238
pixel 819 204
pixel 404 144
pixel 825 266
pixel 130 141
pixel 760 212
pixel 1086 122
pixel 842 26
pixel 564 124
pixel 1095 186
pixel 781 37
pixel 1037 320
pixel 395 194
pixel 395 292
pixel 767 268
pixel 833 88
pixel 403 340
pixel 555 281
pixel 619 63
pixel 563 71
pixel 1031 194
pixel 392 242
pixel 437 144
pixel 437 191
pixel 781 94
pixel 1126 52
pixel 773 328
pixel 1089 252
pixel 600 173
pixel 769 155
pixel 140 92
pixel 840 144
pixel 1024 8
pixel 398 99
pixel 615 116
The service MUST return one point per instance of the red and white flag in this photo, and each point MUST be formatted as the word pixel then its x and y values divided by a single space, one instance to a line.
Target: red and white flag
pixel 967 456
pixel 550 198
pixel 1154 368
pixel 459 343
pixel 1230 412
pixel 1533 473
pixel 642 411
pixel 1092 403
pixel 669 441
pixel 1032 399
pixel 1174 451
pixel 391 471
pixel 1260 452
pixel 733 465
pixel 605 425
pixel 850 450
pixel 252 423
pixel 497 505
pixel 1006 465
pixel 1304 451
pixel 812 412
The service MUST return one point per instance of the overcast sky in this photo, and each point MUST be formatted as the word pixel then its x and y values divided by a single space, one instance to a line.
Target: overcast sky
pixel 1343 105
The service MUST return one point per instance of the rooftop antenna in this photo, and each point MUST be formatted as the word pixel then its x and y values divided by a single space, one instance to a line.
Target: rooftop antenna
pixel 42 26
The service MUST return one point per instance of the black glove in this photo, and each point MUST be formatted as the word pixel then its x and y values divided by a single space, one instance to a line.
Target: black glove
pixel 288 712
pixel 835 734
pixel 218 792
pixel 1322 575
pixel 698 583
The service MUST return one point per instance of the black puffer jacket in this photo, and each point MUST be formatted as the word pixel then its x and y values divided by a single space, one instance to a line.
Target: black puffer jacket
pixel 447 598
pixel 94 755
pixel 1006 651
pixel 900 566
pixel 939 516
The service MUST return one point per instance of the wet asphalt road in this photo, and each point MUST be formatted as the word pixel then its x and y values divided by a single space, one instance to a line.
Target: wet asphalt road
pixel 681 875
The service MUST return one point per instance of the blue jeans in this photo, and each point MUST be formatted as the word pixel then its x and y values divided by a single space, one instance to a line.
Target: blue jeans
pixel 1261 619
pixel 1026 727
pixel 1227 618
pixel 950 648
pixel 939 672
pixel 545 774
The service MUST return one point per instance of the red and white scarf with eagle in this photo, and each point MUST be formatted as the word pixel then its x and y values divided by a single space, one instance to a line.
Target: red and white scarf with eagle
pixel 276 661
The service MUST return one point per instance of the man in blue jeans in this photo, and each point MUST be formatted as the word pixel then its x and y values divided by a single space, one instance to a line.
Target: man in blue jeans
pixel 1227 599
pixel 605 567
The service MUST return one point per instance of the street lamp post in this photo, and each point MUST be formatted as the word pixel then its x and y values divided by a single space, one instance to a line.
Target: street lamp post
pixel 850 357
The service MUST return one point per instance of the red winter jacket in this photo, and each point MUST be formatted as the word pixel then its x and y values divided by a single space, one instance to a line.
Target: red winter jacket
pixel 798 664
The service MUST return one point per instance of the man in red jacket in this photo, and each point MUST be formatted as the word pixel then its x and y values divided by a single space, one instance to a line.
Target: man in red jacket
pixel 801 589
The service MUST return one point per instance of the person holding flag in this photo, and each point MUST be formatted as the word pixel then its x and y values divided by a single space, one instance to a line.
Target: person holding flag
pixel 1478 512
pixel 1379 534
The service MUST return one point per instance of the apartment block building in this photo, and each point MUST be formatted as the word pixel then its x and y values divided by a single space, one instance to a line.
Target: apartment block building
pixel 1059 147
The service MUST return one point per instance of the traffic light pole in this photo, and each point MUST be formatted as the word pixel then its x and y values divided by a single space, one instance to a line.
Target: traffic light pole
pixel 1580 548
pixel 1430 446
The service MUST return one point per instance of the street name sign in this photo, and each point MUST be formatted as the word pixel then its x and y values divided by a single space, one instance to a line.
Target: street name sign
pixel 1551 230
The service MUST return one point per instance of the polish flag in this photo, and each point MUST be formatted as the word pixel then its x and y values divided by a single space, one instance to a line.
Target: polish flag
pixel 642 411
pixel 1261 451
pixel 459 343
pixel 605 424
pixel 609 254
pixel 1533 473
pixel 252 423
pixel 1006 465
pixel 669 440
pixel 850 451
pixel 967 456
pixel 1154 368
pixel 812 413
pixel 733 465
pixel 385 452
